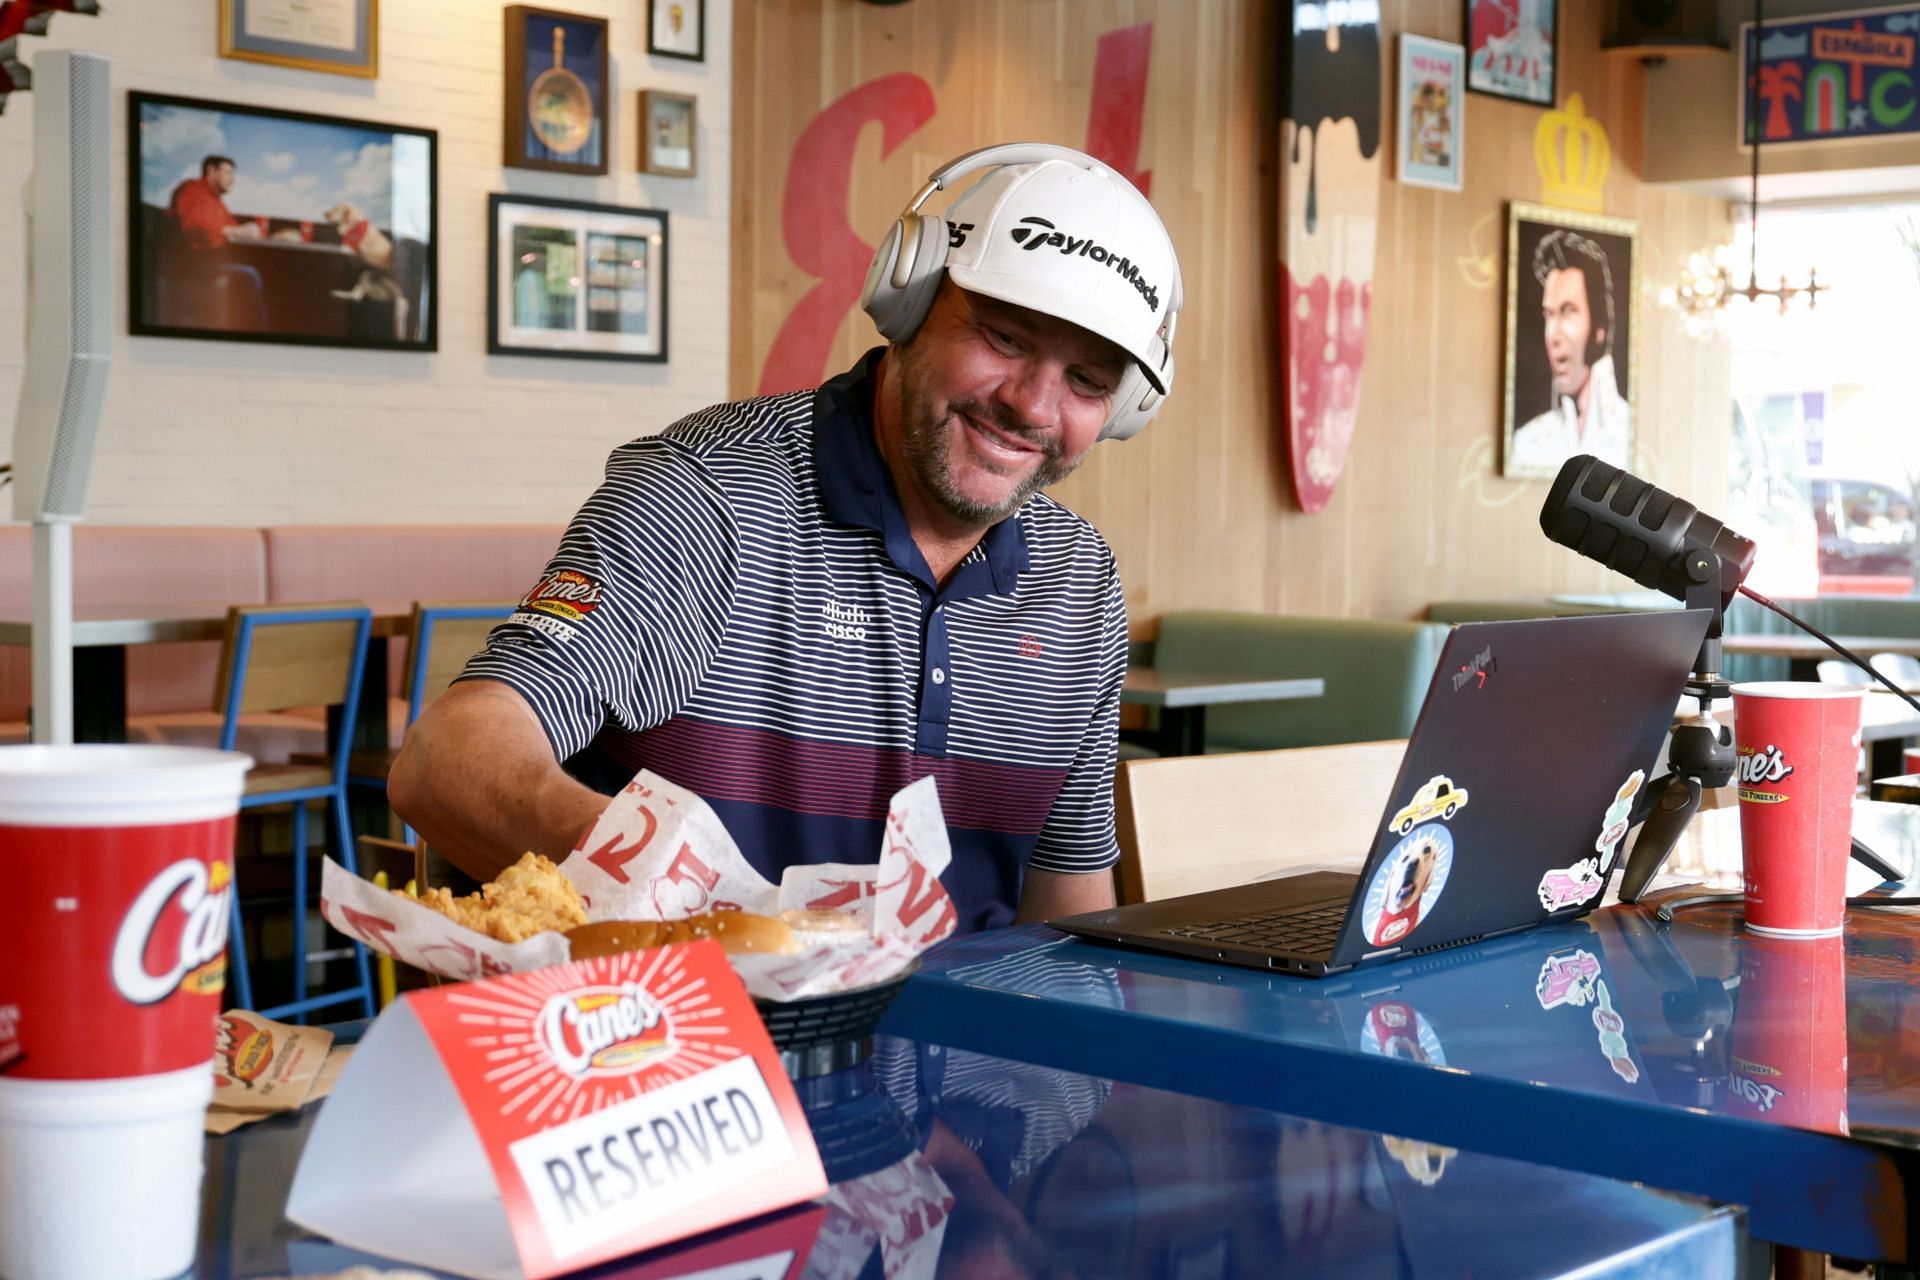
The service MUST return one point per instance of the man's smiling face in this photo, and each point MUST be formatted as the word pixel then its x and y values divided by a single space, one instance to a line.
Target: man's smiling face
pixel 997 402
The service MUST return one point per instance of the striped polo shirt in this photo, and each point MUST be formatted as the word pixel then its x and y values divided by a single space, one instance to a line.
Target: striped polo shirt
pixel 742 609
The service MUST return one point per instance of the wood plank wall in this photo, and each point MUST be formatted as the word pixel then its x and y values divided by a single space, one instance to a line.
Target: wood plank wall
pixel 1198 508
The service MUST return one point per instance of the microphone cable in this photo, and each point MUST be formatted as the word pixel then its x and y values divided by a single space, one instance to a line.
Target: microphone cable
pixel 1832 644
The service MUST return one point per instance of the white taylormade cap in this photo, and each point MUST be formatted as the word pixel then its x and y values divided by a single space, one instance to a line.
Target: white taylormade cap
pixel 1072 241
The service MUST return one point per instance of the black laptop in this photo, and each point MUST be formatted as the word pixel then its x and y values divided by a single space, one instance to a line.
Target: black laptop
pixel 1530 754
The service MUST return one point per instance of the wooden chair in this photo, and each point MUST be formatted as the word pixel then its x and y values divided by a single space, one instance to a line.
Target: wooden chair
pixel 1193 823
pixel 275 658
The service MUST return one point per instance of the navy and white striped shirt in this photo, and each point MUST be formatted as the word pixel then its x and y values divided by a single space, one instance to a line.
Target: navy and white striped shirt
pixel 741 608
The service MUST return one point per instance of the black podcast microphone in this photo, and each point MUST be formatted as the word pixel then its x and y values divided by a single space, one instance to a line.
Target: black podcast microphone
pixel 1646 533
pixel 1666 543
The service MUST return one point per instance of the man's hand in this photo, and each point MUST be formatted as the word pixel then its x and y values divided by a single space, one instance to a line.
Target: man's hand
pixel 1048 895
pixel 242 231
pixel 477 779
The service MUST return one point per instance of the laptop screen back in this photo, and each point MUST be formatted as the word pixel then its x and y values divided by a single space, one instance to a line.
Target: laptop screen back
pixel 1533 745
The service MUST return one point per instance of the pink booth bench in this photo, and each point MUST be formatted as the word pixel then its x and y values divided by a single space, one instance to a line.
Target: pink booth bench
pixel 143 572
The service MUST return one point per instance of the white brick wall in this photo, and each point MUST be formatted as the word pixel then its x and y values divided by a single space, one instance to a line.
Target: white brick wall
pixel 241 433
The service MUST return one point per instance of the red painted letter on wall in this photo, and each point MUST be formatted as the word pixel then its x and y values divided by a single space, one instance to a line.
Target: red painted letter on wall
pixel 815 225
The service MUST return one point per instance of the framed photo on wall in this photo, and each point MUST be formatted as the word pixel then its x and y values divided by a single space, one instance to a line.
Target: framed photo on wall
pixel 667 133
pixel 1572 279
pixel 340 36
pixel 587 281
pixel 556 91
pixel 257 225
pixel 677 29
pixel 1512 47
pixel 1431 119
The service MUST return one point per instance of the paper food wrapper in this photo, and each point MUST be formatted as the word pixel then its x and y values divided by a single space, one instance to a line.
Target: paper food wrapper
pixel 659 852
pixel 261 1067
pixel 902 1208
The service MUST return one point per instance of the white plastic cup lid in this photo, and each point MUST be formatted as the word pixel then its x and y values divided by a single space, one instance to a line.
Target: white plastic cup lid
pixel 116 786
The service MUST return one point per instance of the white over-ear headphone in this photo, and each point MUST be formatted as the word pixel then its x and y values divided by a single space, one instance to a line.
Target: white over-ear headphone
pixel 912 261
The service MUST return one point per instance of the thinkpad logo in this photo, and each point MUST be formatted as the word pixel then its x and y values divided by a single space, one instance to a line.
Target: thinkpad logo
pixel 1036 232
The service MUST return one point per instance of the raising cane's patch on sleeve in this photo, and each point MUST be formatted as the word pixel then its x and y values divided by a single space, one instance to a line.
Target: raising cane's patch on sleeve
pixel 561 602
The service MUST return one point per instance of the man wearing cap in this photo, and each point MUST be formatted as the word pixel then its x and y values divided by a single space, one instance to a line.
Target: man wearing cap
pixel 797 604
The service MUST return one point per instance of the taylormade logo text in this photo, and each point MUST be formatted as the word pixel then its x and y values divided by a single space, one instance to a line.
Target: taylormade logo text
pixel 1034 233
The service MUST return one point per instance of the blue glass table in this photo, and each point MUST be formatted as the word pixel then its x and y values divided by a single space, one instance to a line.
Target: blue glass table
pixel 1781 1076
pixel 957 1164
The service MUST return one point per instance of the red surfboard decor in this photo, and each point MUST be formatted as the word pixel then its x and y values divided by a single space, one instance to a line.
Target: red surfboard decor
pixel 1329 209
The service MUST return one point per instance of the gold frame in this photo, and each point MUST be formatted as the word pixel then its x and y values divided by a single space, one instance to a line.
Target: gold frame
pixel 369 72
pixel 648 164
pixel 1626 298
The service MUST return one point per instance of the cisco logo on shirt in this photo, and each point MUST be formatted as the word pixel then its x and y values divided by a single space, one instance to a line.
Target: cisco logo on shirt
pixel 844 621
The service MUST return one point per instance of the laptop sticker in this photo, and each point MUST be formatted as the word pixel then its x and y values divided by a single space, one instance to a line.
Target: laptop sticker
pixel 1406 885
pixel 1613 827
pixel 1613 1039
pixel 1396 1029
pixel 1438 798
pixel 1570 886
pixel 1425 1162
pixel 1567 977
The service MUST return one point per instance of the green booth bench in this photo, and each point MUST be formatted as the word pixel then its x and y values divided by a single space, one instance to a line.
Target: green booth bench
pixel 1894 617
pixel 1376 674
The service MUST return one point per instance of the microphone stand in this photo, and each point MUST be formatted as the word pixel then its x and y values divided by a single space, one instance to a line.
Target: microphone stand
pixel 1701 754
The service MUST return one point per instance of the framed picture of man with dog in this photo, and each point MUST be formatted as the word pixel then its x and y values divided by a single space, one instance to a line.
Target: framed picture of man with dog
pixel 254 225
pixel 588 281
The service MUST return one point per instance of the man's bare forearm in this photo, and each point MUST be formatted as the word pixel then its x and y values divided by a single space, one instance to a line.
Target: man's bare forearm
pixel 477 779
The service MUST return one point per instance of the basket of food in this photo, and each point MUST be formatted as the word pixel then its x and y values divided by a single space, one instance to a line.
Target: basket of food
pixel 822 952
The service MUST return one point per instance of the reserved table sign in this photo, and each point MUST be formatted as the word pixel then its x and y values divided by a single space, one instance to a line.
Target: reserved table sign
pixel 597 1109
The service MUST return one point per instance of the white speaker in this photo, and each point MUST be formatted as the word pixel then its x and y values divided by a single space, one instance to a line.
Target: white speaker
pixel 69 303
pixel 69 345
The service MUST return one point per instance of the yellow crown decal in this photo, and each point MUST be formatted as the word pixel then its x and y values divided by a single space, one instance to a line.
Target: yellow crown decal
pixel 1571 150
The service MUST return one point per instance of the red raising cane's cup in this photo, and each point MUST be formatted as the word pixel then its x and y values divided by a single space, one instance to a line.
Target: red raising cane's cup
pixel 1789 1046
pixel 116 872
pixel 1797 745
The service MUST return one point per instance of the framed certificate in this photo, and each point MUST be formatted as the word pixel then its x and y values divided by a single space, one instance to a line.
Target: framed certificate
pixel 337 36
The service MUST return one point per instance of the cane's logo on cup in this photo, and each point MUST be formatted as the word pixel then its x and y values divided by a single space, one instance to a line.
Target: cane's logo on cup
pixel 174 936
pixel 1757 766
pixel 604 1031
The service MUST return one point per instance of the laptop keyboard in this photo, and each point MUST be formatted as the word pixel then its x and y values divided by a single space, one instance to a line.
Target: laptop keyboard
pixel 1306 932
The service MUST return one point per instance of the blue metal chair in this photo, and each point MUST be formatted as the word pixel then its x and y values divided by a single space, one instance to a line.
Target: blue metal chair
pixel 278 658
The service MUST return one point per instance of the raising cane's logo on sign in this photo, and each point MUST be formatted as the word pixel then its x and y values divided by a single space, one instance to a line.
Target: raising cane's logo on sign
pixel 604 1031
pixel 174 936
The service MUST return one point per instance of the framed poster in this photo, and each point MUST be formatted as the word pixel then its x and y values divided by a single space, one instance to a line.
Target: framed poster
pixel 1431 118
pixel 667 133
pixel 1511 47
pixel 258 225
pixel 1570 371
pixel 556 91
pixel 677 29
pixel 1834 78
pixel 340 36
pixel 582 280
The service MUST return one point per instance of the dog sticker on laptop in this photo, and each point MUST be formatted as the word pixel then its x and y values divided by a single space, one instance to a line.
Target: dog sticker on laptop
pixel 1406 885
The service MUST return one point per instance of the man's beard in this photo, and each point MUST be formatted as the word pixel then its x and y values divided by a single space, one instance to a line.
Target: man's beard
pixel 926 440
